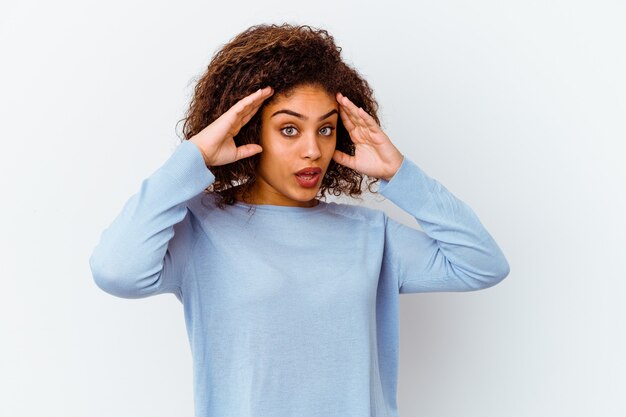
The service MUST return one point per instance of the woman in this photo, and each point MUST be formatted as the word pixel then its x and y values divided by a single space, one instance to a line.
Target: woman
pixel 291 302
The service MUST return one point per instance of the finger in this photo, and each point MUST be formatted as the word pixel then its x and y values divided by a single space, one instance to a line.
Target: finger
pixel 369 121
pixel 241 107
pixel 245 151
pixel 365 125
pixel 257 102
pixel 245 109
pixel 344 159
pixel 352 111
pixel 245 117
pixel 346 119
pixel 252 102
pixel 359 133
pixel 349 106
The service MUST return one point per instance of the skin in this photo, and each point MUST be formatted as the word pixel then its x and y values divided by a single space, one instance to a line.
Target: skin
pixel 374 154
pixel 289 143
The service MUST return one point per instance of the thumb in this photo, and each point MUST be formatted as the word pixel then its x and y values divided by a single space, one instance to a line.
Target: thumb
pixel 344 159
pixel 245 151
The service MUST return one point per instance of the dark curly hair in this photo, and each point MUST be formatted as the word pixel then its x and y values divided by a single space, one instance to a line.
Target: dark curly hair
pixel 283 57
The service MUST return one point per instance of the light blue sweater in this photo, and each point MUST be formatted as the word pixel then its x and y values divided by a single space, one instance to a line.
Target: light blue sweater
pixel 292 311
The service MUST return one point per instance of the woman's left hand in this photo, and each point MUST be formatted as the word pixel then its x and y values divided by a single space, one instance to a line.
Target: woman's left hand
pixel 374 154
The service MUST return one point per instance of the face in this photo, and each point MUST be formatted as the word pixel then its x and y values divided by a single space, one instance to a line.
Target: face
pixel 298 135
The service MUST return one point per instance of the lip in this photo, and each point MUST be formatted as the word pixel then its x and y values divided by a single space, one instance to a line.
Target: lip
pixel 315 174
pixel 310 170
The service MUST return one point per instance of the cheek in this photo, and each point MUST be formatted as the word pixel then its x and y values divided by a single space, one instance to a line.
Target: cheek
pixel 275 158
pixel 331 146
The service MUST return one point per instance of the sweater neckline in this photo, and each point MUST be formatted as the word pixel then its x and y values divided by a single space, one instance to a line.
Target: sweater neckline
pixel 321 206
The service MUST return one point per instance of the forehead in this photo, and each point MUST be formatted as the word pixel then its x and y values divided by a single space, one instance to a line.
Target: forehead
pixel 306 96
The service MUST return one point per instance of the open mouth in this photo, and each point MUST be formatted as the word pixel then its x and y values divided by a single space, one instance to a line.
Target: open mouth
pixel 307 179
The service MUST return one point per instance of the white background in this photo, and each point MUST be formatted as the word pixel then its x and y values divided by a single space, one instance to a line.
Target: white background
pixel 517 107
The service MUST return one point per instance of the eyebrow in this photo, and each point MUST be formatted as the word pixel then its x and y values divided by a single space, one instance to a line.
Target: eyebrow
pixel 300 116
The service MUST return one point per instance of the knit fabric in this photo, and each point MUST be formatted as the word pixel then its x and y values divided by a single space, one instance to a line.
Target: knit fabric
pixel 291 311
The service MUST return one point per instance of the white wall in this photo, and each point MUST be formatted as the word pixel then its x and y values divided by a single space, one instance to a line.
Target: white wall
pixel 517 107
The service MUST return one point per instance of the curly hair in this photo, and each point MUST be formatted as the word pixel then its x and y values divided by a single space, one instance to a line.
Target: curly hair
pixel 283 57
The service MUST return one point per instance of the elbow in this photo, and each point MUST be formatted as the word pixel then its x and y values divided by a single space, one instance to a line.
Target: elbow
pixel 111 285
pixel 505 270
pixel 105 279
pixel 115 283
pixel 498 272
pixel 486 277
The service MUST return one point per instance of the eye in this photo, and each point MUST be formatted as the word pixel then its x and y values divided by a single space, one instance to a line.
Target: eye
pixel 288 130
pixel 330 130
pixel 292 131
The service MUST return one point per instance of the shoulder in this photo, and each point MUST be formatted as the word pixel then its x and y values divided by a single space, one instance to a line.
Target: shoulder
pixel 357 212
pixel 202 204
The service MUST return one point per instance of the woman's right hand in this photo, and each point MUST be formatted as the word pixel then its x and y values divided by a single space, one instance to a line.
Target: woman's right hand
pixel 216 140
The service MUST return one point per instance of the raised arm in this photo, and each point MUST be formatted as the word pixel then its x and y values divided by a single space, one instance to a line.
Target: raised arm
pixel 145 250
pixel 137 255
pixel 455 252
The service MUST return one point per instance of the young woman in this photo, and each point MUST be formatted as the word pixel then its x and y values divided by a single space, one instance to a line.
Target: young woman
pixel 291 302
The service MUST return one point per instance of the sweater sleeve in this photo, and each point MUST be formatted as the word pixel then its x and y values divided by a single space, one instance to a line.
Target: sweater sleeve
pixel 453 253
pixel 144 251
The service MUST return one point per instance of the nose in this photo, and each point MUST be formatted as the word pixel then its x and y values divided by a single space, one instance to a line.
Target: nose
pixel 311 148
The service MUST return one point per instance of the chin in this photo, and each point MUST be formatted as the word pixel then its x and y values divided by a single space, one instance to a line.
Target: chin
pixel 305 196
